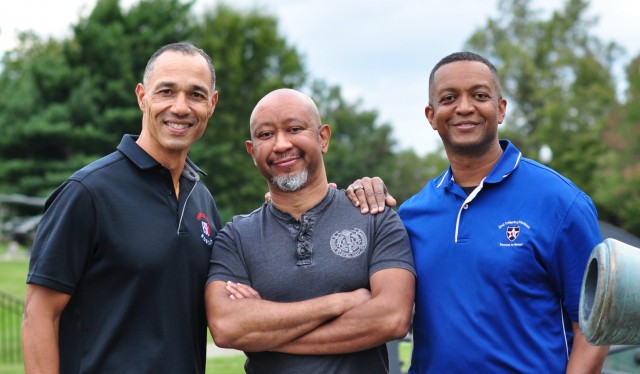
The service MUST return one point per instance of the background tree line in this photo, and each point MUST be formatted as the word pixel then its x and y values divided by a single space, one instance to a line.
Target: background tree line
pixel 65 103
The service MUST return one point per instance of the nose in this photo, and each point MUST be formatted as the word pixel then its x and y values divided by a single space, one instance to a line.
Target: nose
pixel 465 105
pixel 282 143
pixel 180 105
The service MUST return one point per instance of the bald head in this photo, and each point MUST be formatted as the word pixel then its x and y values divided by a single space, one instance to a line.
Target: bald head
pixel 280 100
pixel 288 141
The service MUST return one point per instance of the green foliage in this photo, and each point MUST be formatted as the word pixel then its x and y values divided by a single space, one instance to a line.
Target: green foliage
pixel 362 147
pixel 618 172
pixel 251 59
pixel 557 78
pixel 358 145
pixel 66 103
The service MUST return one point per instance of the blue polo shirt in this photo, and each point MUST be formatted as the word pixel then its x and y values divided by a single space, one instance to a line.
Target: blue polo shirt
pixel 134 260
pixel 499 270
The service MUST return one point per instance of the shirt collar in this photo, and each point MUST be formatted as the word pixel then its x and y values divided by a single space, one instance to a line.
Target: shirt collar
pixel 143 160
pixel 316 210
pixel 508 162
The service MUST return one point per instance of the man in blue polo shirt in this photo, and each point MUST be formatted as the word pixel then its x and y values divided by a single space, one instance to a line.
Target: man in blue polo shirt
pixel 500 243
pixel 120 259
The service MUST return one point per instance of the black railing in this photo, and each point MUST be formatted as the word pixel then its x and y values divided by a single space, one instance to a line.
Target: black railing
pixel 11 310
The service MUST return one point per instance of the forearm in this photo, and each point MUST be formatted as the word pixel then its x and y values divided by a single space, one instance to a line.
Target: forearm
pixel 254 325
pixel 356 330
pixel 386 317
pixel 40 326
pixel 585 358
pixel 40 346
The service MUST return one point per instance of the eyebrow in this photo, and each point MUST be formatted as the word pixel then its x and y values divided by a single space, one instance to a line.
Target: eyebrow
pixel 472 88
pixel 193 87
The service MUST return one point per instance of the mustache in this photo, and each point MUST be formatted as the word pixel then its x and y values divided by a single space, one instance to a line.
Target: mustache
pixel 283 156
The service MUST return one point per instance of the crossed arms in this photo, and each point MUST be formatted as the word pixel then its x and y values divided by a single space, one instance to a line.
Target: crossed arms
pixel 337 323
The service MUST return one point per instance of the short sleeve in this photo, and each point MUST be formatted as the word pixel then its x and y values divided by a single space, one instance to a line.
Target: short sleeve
pixel 65 240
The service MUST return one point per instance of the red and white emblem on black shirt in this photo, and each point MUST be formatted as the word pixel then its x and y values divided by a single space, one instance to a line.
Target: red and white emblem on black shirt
pixel 206 228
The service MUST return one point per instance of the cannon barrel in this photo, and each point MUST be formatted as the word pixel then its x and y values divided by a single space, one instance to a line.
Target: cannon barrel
pixel 610 295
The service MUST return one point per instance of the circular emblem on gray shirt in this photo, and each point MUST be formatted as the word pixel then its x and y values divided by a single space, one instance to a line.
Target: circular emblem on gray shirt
pixel 349 243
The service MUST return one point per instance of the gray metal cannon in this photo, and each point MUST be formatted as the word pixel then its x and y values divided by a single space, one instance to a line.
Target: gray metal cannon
pixel 610 295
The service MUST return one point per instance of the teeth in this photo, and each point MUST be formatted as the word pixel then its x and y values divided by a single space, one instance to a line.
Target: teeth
pixel 177 126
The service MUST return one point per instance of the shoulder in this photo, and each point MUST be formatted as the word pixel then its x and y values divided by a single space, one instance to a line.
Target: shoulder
pixel 430 190
pixel 542 178
pixel 98 168
pixel 78 184
pixel 249 220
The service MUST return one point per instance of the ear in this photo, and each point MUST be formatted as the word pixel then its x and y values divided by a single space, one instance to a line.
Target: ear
pixel 249 146
pixel 324 134
pixel 140 95
pixel 214 101
pixel 429 112
pixel 502 109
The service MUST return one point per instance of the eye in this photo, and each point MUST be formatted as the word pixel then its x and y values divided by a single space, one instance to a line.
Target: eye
pixel 165 92
pixel 198 95
pixel 448 99
pixel 481 96
pixel 295 130
pixel 264 135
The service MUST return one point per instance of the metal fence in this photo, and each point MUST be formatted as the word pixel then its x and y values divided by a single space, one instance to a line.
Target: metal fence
pixel 11 310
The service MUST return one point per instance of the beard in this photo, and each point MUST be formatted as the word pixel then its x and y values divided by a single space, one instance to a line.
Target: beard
pixel 291 182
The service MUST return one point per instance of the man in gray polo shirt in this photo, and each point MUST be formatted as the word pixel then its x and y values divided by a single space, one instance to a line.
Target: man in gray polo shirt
pixel 306 283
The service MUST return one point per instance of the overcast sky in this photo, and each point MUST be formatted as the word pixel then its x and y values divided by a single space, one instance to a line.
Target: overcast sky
pixel 378 51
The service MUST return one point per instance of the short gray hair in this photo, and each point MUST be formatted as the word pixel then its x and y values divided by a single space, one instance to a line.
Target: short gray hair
pixel 184 48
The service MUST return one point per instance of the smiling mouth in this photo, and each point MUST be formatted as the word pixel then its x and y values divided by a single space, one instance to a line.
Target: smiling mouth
pixel 465 124
pixel 178 126
pixel 285 158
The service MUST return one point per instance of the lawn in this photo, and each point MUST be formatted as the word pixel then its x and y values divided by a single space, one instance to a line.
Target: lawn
pixel 14 277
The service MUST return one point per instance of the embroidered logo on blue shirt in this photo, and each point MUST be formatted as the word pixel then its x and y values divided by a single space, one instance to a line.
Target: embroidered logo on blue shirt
pixel 512 230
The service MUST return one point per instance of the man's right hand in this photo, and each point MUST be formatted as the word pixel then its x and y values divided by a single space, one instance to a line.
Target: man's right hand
pixel 370 194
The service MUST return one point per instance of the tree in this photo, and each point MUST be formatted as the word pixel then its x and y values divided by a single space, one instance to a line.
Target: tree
pixel 251 59
pixel 359 146
pixel 66 103
pixel 557 79
pixel 617 177
pixel 70 101
pixel 39 142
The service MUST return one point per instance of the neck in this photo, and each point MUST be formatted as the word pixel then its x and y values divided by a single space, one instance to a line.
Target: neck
pixel 470 170
pixel 298 202
pixel 172 161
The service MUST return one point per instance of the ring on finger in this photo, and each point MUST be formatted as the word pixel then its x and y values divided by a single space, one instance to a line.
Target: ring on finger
pixel 358 187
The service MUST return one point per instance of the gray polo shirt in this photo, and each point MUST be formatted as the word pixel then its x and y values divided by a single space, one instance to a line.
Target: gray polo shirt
pixel 333 248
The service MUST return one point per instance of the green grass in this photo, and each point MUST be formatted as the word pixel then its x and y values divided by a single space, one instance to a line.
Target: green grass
pixel 12 282
pixel 11 368
pixel 14 277
pixel 226 365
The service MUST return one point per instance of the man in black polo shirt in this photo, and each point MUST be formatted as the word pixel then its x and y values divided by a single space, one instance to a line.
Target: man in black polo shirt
pixel 120 259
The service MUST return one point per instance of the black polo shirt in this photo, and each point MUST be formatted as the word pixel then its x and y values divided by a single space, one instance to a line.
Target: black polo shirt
pixel 134 260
